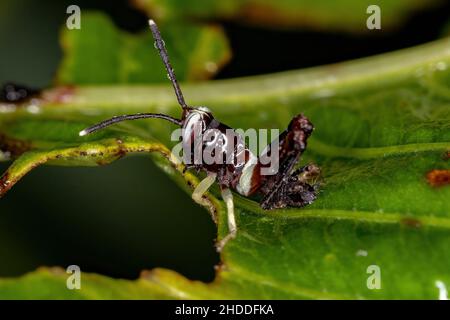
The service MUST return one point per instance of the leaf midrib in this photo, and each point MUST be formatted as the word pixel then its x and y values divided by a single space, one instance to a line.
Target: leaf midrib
pixel 341 214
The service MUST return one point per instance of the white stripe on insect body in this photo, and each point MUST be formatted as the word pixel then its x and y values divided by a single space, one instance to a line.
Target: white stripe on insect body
pixel 244 186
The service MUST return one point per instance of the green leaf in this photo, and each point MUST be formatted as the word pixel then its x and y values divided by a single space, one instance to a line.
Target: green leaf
pixel 382 140
pixel 99 53
pixel 348 15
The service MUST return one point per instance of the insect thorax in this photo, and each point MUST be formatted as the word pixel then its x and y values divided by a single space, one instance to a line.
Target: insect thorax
pixel 215 147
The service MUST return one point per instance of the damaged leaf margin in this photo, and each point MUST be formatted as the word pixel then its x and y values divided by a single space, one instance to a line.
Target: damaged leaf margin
pixel 101 153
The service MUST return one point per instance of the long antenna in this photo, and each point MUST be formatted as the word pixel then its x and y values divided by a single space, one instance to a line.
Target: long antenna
pixel 159 42
pixel 160 45
pixel 136 116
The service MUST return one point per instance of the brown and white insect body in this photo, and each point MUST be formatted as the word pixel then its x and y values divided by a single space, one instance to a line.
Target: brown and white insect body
pixel 286 187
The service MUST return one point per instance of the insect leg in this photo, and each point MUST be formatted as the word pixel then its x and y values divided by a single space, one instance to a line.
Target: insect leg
pixel 228 198
pixel 202 188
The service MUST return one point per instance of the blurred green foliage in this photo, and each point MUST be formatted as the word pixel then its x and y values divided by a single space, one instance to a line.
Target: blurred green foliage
pixel 344 15
pixel 99 53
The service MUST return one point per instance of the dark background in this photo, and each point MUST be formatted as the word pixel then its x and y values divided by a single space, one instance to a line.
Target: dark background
pixel 119 219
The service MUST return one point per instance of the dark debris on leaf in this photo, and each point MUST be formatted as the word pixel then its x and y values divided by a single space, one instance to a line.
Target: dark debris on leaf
pixel 438 178
pixel 16 93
